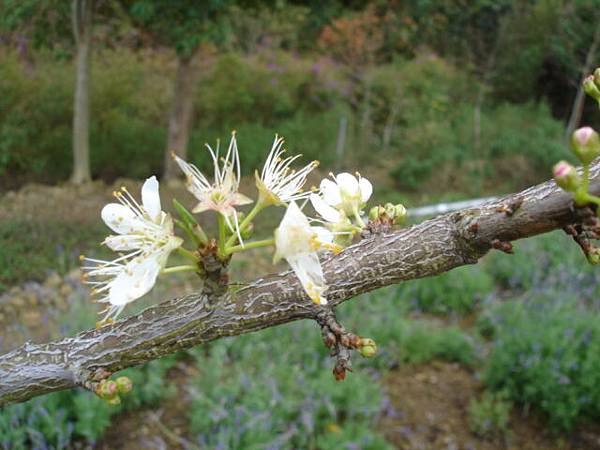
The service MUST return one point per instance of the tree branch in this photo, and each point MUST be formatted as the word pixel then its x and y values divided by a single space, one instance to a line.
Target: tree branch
pixel 423 250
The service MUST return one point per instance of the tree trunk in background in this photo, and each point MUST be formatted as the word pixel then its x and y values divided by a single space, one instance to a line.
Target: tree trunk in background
pixel 82 31
pixel 180 119
pixel 579 102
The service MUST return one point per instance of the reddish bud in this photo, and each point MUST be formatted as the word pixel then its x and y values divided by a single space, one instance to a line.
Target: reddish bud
pixel 586 144
pixel 566 176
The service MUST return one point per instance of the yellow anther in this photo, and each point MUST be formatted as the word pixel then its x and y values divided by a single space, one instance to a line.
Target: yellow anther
pixel 81 257
pixel 316 163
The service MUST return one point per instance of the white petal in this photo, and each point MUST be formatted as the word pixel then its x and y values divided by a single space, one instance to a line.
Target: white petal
pixel 347 183
pixel 240 199
pixel 331 192
pixel 151 198
pixel 134 281
pixel 294 215
pixel 366 189
pixel 120 218
pixel 327 212
pixel 323 234
pixel 124 242
pixel 308 269
pixel 293 234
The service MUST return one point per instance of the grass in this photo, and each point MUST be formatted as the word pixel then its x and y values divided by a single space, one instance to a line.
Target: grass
pixel 30 250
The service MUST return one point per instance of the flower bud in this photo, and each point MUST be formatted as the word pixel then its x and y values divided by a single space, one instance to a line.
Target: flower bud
pixel 399 213
pixel 390 210
pixel 124 385
pixel 566 176
pixel 593 256
pixel 114 401
pixel 368 347
pixel 586 144
pixel 596 77
pixel 374 213
pixel 107 389
pixel 339 373
pixel 590 85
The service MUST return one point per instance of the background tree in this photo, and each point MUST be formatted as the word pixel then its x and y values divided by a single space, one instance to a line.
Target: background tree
pixel 201 26
pixel 82 16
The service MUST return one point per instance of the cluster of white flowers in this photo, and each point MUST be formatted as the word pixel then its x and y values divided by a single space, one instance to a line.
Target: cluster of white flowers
pixel 146 232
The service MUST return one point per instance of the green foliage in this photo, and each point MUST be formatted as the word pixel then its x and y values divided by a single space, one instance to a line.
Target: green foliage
pixel 382 315
pixel 197 22
pixel 546 354
pixel 31 249
pixel 458 291
pixel 55 420
pixel 246 398
pixel 488 416
pixel 433 132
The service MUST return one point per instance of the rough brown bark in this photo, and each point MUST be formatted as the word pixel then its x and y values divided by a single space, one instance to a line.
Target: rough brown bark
pixel 82 31
pixel 423 250
pixel 180 119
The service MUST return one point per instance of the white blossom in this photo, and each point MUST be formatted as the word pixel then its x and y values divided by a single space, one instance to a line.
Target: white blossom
pixel 346 192
pixel 298 243
pixel 222 194
pixel 146 233
pixel 278 182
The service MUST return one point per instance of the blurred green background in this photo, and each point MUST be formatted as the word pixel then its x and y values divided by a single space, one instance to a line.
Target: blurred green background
pixel 431 100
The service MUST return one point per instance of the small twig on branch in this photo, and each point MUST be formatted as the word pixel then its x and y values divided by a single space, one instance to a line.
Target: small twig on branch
pixel 423 250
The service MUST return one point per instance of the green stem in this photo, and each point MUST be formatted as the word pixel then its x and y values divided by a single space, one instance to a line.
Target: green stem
pixel 258 207
pixel 199 232
pixel 249 245
pixel 194 237
pixel 589 198
pixel 188 254
pixel 175 269
pixel 586 178
pixel 222 233
pixel 358 218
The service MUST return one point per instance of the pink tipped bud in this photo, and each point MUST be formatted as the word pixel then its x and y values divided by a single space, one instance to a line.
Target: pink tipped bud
pixel 566 176
pixel 586 144
pixel 590 85
pixel 107 389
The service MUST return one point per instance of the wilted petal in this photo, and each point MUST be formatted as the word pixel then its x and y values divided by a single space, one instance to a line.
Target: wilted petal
pixel 308 269
pixel 151 198
pixel 120 219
